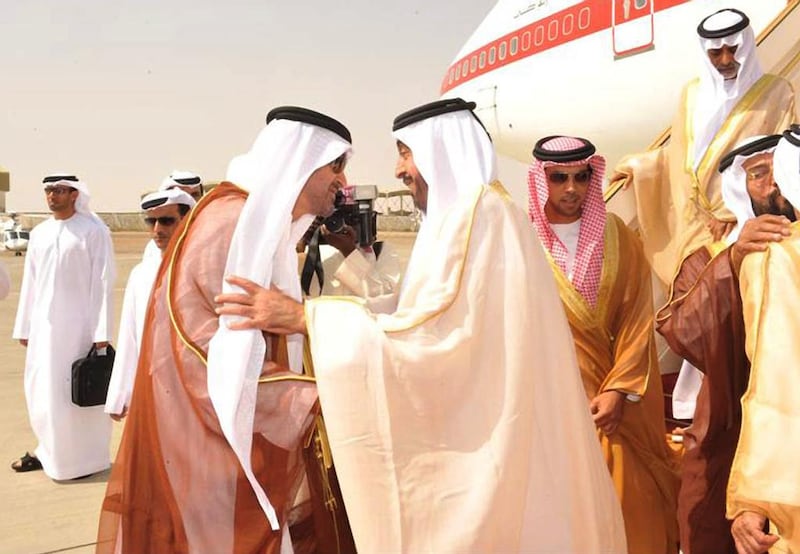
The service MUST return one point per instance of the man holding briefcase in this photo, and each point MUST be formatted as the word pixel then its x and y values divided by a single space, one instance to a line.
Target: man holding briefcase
pixel 65 309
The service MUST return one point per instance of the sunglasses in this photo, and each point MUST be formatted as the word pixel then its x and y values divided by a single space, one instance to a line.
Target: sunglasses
pixel 580 178
pixel 58 190
pixel 166 221
pixel 337 165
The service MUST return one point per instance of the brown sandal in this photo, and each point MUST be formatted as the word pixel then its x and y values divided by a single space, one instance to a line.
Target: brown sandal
pixel 26 463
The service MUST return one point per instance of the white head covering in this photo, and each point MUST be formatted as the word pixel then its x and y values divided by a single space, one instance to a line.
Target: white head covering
pixel 734 183
pixel 165 198
pixel 69 180
pixel 716 97
pixel 786 166
pixel 179 178
pixel 453 153
pixel 262 249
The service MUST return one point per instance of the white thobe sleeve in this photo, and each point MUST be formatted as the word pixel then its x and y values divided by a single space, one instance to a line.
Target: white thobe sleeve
pixel 101 254
pixel 127 358
pixel 375 280
pixel 5 281
pixel 22 325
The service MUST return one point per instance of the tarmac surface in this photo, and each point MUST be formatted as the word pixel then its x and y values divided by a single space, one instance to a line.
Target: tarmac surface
pixel 39 515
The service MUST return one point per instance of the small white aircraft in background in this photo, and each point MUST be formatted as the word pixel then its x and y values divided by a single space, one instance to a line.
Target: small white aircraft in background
pixel 15 238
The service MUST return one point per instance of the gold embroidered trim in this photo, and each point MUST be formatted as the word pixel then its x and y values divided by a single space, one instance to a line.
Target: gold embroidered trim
pixel 572 299
pixel 721 140
pixel 172 261
pixel 281 378
pixel 495 187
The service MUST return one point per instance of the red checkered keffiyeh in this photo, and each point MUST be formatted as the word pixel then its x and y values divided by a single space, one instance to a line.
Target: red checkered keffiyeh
pixel 589 257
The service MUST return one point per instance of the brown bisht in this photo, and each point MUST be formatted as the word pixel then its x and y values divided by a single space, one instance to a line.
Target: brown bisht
pixel 703 323
pixel 176 485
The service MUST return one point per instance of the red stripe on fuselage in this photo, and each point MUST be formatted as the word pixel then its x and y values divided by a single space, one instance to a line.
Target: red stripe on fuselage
pixel 575 22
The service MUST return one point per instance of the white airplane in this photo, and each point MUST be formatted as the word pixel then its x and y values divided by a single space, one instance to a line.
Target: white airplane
pixel 608 70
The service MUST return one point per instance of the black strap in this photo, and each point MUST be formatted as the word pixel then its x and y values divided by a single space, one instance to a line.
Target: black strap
pixel 312 265
pixel 377 247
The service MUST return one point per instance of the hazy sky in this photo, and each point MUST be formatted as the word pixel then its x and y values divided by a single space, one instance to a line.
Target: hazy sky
pixel 121 92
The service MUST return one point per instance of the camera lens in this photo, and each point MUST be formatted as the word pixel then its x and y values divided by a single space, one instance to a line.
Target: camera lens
pixel 334 223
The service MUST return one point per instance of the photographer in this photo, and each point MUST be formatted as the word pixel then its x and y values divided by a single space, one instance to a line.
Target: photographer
pixel 353 263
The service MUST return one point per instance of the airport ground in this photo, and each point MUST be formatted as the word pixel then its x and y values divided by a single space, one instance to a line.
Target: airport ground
pixel 38 515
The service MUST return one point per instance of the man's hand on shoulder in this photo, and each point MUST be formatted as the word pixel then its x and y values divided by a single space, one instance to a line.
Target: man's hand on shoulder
pixel 748 535
pixel 269 310
pixel 756 234
pixel 720 229
pixel 606 409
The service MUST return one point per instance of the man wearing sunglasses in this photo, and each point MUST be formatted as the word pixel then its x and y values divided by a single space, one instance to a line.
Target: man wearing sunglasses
pixel 605 286
pixel 186 181
pixel 163 210
pixel 678 188
pixel 457 420
pixel 703 323
pixel 65 307
pixel 210 459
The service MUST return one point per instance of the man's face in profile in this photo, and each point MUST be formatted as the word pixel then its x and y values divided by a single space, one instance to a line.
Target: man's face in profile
pixel 724 61
pixel 406 170
pixel 319 192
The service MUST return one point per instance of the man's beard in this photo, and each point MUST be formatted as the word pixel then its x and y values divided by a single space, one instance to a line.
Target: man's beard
pixel 775 205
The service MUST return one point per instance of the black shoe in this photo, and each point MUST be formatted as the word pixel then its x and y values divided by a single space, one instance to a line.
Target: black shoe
pixel 26 463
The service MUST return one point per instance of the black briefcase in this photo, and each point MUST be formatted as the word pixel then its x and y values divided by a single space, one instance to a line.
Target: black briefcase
pixel 90 377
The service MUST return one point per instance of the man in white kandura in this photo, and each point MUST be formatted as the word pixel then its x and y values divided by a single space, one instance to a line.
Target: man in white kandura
pixel 64 308
pixel 163 210
pixel 458 422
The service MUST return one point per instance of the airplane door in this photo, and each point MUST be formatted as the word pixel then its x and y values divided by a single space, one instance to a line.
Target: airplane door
pixel 632 28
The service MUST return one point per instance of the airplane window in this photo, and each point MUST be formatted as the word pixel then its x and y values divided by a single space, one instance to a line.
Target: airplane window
pixel 465 68
pixel 458 72
pixel 514 46
pixel 526 40
pixel 451 75
pixel 482 60
pixel 552 30
pixel 640 4
pixel 568 24
pixel 584 18
pixel 492 55
pixel 538 39
pixel 502 51
pixel 473 64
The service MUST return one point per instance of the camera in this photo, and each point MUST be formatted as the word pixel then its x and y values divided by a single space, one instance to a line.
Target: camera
pixel 354 206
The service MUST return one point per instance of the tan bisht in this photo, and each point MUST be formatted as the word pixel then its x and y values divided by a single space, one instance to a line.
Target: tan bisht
pixel 459 423
pixel 675 202
pixel 764 478
pixel 616 351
